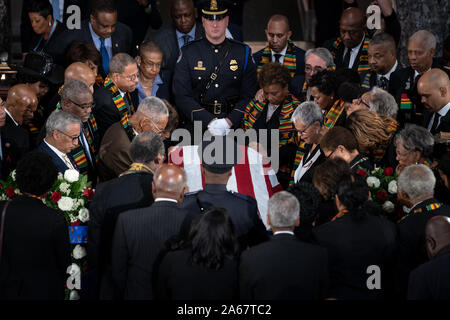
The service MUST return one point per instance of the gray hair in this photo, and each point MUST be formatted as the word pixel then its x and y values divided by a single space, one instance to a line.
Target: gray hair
pixel 146 147
pixel 73 89
pixel 426 38
pixel 416 138
pixel 416 180
pixel 152 107
pixel 60 120
pixel 307 112
pixel 283 210
pixel 383 102
pixel 322 53
pixel 119 62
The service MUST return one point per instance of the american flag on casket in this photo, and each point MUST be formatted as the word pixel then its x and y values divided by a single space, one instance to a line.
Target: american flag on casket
pixel 251 176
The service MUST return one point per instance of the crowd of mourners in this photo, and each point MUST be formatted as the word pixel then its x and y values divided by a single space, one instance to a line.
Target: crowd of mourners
pixel 106 97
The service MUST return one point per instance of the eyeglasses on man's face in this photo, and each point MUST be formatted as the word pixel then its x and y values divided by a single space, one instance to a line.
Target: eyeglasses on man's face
pixel 83 106
pixel 132 77
pixel 74 139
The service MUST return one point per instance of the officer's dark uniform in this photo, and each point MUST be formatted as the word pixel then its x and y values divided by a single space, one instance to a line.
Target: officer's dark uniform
pixel 241 208
pixel 202 94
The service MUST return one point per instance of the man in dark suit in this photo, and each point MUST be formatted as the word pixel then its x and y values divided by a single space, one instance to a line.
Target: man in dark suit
pixel 283 268
pixel 133 189
pixel 102 30
pixel 216 168
pixel 63 132
pixel 382 60
pixel 15 140
pixel 350 49
pixel 114 151
pixel 36 249
pixel 403 82
pixel 415 188
pixel 140 234
pixel 431 281
pixel 117 100
pixel 76 98
pixel 281 49
pixel 434 89
pixel 183 31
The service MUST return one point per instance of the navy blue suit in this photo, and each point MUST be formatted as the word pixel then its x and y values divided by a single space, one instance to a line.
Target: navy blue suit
pixel 62 167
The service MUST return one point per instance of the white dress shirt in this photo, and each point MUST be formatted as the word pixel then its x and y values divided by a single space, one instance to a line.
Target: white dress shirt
pixel 282 52
pixel 388 75
pixel 165 199
pixel 443 112
pixel 353 53
pixel 60 154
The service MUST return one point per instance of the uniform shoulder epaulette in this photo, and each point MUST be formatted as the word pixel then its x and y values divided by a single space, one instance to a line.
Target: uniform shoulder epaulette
pixel 242 196
pixel 238 42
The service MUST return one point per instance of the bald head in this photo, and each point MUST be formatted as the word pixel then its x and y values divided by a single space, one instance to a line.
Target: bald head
pixel 352 27
pixel 21 103
pixel 437 234
pixel 434 88
pixel 278 32
pixel 80 71
pixel 169 181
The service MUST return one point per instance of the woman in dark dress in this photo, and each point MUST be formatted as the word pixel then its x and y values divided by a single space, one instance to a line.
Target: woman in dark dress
pixel 45 27
pixel 206 266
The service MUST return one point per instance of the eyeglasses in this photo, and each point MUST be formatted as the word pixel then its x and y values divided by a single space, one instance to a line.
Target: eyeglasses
pixel 83 106
pixel 160 131
pixel 316 69
pixel 132 77
pixel 300 132
pixel 328 156
pixel 361 101
pixel 150 64
pixel 74 139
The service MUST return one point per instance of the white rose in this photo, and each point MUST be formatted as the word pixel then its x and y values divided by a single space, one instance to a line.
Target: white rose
pixel 74 270
pixel 65 203
pixel 60 176
pixel 17 191
pixel 79 252
pixel 83 215
pixel 74 295
pixel 392 187
pixel 81 202
pixel 13 175
pixel 71 175
pixel 388 206
pixel 373 182
pixel 65 187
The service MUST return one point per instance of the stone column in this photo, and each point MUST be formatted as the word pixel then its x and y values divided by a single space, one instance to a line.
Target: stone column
pixel 4 26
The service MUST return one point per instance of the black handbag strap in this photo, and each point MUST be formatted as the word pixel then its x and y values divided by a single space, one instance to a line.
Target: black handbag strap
pixel 2 227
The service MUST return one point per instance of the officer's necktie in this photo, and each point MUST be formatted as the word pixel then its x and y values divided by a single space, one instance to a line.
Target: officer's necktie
pixel 186 39
pixel 67 161
pixel 277 57
pixel 435 124
pixel 56 14
pixel 346 60
pixel 105 56
pixel 383 83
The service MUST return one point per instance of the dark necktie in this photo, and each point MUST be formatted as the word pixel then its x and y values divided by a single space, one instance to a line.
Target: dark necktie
pixel 105 56
pixel 383 83
pixel 186 39
pixel 277 57
pixel 127 101
pixel 346 60
pixel 435 124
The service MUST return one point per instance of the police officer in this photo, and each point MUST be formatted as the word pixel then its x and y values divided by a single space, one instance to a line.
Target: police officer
pixel 215 77
pixel 218 158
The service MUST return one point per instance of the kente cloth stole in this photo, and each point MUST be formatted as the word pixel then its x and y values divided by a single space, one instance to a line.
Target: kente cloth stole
pixel 340 214
pixel 428 208
pixel 405 102
pixel 121 107
pixel 378 154
pixel 289 62
pixel 78 154
pixel 363 63
pixel 254 109
pixel 366 81
pixel 332 116
pixel 136 167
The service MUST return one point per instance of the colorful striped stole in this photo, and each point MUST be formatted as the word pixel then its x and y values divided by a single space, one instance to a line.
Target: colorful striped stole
pixel 121 107
pixel 289 62
pixel 254 109
pixel 405 102
pixel 366 81
pixel 428 208
pixel 363 63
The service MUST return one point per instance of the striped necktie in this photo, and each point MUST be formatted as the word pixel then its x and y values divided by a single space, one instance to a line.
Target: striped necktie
pixel 67 161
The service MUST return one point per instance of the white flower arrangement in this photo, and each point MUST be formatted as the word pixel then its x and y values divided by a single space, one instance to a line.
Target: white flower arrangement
pixel 65 188
pixel 71 175
pixel 65 204
pixel 373 182
pixel 388 206
pixel 83 215
pixel 13 174
pixel 79 252
pixel 392 187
